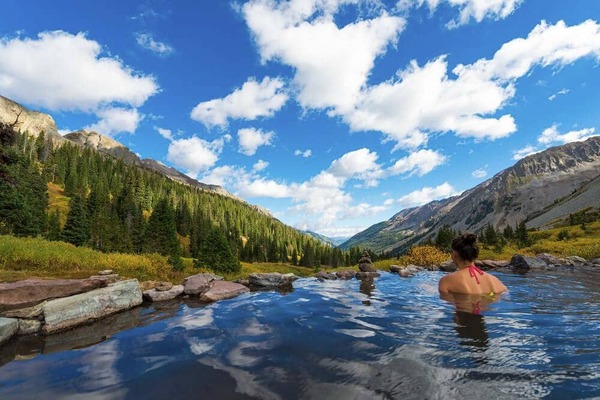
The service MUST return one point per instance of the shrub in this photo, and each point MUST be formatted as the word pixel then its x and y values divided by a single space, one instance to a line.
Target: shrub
pixel 426 256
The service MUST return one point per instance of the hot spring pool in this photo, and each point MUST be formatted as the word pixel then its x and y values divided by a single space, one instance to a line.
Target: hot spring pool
pixel 392 338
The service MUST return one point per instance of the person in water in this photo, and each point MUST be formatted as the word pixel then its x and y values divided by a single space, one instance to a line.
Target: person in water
pixel 469 279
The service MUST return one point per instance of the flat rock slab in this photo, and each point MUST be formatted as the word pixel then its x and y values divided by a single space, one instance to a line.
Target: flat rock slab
pixel 162 295
pixel 271 280
pixel 27 313
pixel 33 291
pixel 197 285
pixel 8 328
pixel 221 290
pixel 81 308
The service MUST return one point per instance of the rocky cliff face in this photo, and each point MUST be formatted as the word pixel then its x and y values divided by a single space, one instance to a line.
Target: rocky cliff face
pixel 26 120
pixel 542 188
pixel 103 144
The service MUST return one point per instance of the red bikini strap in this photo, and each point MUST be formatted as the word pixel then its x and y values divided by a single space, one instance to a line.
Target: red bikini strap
pixel 473 270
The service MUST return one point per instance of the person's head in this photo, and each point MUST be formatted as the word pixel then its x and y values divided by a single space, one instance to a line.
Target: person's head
pixel 466 246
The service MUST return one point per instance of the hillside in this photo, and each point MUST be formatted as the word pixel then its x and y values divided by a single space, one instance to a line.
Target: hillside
pixel 542 189
pixel 115 202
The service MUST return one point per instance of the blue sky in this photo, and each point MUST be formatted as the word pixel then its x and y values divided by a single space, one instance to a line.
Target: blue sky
pixel 332 114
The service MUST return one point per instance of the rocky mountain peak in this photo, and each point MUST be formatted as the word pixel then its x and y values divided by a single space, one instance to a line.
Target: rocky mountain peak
pixel 103 144
pixel 93 140
pixel 29 121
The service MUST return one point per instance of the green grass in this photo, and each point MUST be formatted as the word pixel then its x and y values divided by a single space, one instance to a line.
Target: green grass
pixel 22 258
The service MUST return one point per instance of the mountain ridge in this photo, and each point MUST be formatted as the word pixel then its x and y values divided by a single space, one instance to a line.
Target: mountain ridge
pixel 35 122
pixel 542 188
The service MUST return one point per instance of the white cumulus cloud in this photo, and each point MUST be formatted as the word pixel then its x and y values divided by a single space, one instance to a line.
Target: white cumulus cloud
pixel 331 63
pixel 427 194
pixel 426 99
pixel 260 165
pixel 251 139
pixel 194 155
pixel 116 120
pixel 553 136
pixel 420 163
pixel 62 72
pixel 251 101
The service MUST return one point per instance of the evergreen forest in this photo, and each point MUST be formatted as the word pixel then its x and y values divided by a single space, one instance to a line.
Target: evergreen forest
pixel 115 207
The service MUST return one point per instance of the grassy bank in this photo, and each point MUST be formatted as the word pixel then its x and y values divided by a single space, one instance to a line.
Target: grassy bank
pixel 22 258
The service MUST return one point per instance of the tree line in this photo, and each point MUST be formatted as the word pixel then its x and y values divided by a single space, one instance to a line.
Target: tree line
pixel 116 207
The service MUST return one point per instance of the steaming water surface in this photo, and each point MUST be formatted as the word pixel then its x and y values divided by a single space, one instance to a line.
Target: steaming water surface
pixel 391 338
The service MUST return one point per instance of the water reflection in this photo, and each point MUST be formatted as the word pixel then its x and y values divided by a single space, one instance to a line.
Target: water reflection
pixel 87 335
pixel 367 286
pixel 471 327
pixel 322 341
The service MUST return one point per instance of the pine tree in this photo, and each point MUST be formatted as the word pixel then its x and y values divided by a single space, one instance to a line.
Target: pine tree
pixel 76 230
pixel 161 233
pixel 444 237
pixel 53 230
pixel 216 254
pixel 23 191
pixel 522 236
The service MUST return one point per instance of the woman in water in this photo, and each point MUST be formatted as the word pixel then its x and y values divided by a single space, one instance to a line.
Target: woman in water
pixel 469 279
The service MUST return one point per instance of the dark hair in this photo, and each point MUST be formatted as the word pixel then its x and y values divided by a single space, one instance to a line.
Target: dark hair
pixel 466 246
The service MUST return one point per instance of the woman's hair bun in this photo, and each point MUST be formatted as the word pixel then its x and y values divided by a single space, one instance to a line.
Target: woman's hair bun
pixel 470 238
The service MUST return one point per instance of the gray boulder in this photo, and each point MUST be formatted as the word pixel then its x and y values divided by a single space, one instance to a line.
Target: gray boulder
pixel 271 280
pixel 519 261
pixel 197 285
pixel 414 268
pixel 396 268
pixel 576 261
pixel 162 295
pixel 345 274
pixel 448 266
pixel 405 273
pixel 105 272
pixel 8 328
pixel 222 290
pixel 81 308
pixel 549 259
pixel 595 262
pixel 326 275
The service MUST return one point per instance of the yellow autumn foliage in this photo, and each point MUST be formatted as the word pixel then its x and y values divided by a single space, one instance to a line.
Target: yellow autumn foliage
pixel 425 256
